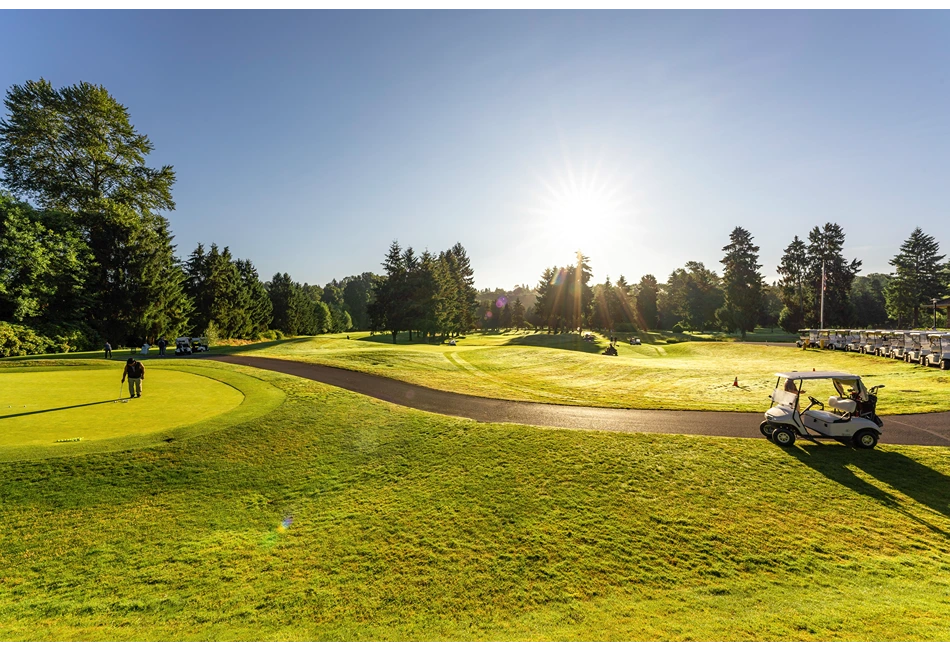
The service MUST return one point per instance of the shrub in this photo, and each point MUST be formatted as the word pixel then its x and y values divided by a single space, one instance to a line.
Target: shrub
pixel 19 340
pixel 672 340
pixel 677 329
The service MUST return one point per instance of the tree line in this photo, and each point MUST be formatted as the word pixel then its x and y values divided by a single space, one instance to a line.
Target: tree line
pixel 431 295
pixel 696 298
pixel 86 255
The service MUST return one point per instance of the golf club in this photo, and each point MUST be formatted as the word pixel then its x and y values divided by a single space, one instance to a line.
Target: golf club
pixel 124 401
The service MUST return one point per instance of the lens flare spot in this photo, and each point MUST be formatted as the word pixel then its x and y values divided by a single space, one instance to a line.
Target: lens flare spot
pixel 501 302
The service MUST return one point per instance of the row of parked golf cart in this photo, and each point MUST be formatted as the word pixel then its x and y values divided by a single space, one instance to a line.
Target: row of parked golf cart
pixel 927 348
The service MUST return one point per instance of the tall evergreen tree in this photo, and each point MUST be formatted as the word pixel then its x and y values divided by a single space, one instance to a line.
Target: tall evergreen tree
pixel 742 283
pixel 917 278
pixel 825 245
pixel 256 301
pixel 647 292
pixel 464 276
pixel 793 271
pixel 518 315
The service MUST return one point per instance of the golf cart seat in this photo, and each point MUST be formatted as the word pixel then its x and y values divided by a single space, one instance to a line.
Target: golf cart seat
pixel 842 404
pixel 825 416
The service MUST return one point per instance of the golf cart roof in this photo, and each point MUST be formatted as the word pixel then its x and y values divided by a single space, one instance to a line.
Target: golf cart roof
pixel 817 374
pixel 938 335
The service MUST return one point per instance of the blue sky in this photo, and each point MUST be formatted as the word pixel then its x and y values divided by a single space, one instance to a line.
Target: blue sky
pixel 307 141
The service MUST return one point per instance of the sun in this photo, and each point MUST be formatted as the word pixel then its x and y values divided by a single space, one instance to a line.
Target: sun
pixel 579 209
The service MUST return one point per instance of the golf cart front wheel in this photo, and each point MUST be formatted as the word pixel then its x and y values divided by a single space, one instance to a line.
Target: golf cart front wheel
pixel 767 428
pixel 783 437
pixel 865 439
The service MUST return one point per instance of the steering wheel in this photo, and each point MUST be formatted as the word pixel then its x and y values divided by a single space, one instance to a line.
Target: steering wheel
pixel 815 402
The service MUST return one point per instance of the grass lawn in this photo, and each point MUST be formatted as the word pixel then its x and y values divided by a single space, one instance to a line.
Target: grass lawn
pixel 564 369
pixel 332 516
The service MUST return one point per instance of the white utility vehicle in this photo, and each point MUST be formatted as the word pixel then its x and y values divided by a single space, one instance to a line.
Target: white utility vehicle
pixel 837 339
pixel 852 416
pixel 858 340
pixel 893 345
pixel 807 339
pixel 916 346
pixel 939 351
pixel 874 340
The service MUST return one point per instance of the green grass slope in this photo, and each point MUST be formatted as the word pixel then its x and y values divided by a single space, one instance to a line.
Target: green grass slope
pixel 407 525
pixel 564 369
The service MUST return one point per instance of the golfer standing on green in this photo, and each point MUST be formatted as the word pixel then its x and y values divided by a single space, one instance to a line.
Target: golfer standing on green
pixel 136 372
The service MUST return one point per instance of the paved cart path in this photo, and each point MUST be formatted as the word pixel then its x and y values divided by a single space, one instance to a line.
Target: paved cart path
pixel 931 429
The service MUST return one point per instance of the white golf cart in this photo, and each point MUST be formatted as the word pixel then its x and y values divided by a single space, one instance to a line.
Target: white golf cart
pixel 874 340
pixel 807 339
pixel 916 346
pixel 893 345
pixel 182 346
pixel 852 416
pixel 837 339
pixel 856 340
pixel 939 351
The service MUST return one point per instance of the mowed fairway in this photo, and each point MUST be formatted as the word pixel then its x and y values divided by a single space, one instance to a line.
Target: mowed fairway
pixel 407 525
pixel 565 370
pixel 74 409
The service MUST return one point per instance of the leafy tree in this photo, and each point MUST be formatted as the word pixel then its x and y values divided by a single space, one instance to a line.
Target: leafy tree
pixel 42 259
pixel 917 278
pixel 647 292
pixel 357 295
pixel 742 283
pixel 771 305
pixel 868 300
pixel 695 295
pixel 74 150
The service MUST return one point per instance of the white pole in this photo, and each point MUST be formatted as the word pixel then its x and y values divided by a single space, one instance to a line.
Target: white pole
pixel 822 326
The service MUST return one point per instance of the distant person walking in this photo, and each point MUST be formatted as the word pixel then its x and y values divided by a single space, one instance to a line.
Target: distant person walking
pixel 108 350
pixel 136 373
pixel 162 344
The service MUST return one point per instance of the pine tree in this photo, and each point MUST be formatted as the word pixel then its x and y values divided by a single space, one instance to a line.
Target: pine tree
pixel 917 278
pixel 518 314
pixel 742 283
pixel 792 271
pixel 825 245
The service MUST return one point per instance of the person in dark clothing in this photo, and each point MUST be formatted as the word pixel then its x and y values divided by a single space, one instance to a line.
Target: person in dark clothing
pixel 162 344
pixel 136 373
pixel 108 350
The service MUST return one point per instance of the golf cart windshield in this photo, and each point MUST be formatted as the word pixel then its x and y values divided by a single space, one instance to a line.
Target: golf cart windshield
pixel 785 393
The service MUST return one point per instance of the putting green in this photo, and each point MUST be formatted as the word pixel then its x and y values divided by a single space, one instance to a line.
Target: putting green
pixel 42 407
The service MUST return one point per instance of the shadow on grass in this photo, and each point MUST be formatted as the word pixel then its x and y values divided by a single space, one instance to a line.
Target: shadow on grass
pixel 914 480
pixel 559 341
pixel 60 408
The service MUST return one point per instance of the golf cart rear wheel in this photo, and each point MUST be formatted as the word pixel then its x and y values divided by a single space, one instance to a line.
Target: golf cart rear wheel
pixel 767 428
pixel 945 364
pixel 783 437
pixel 865 439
